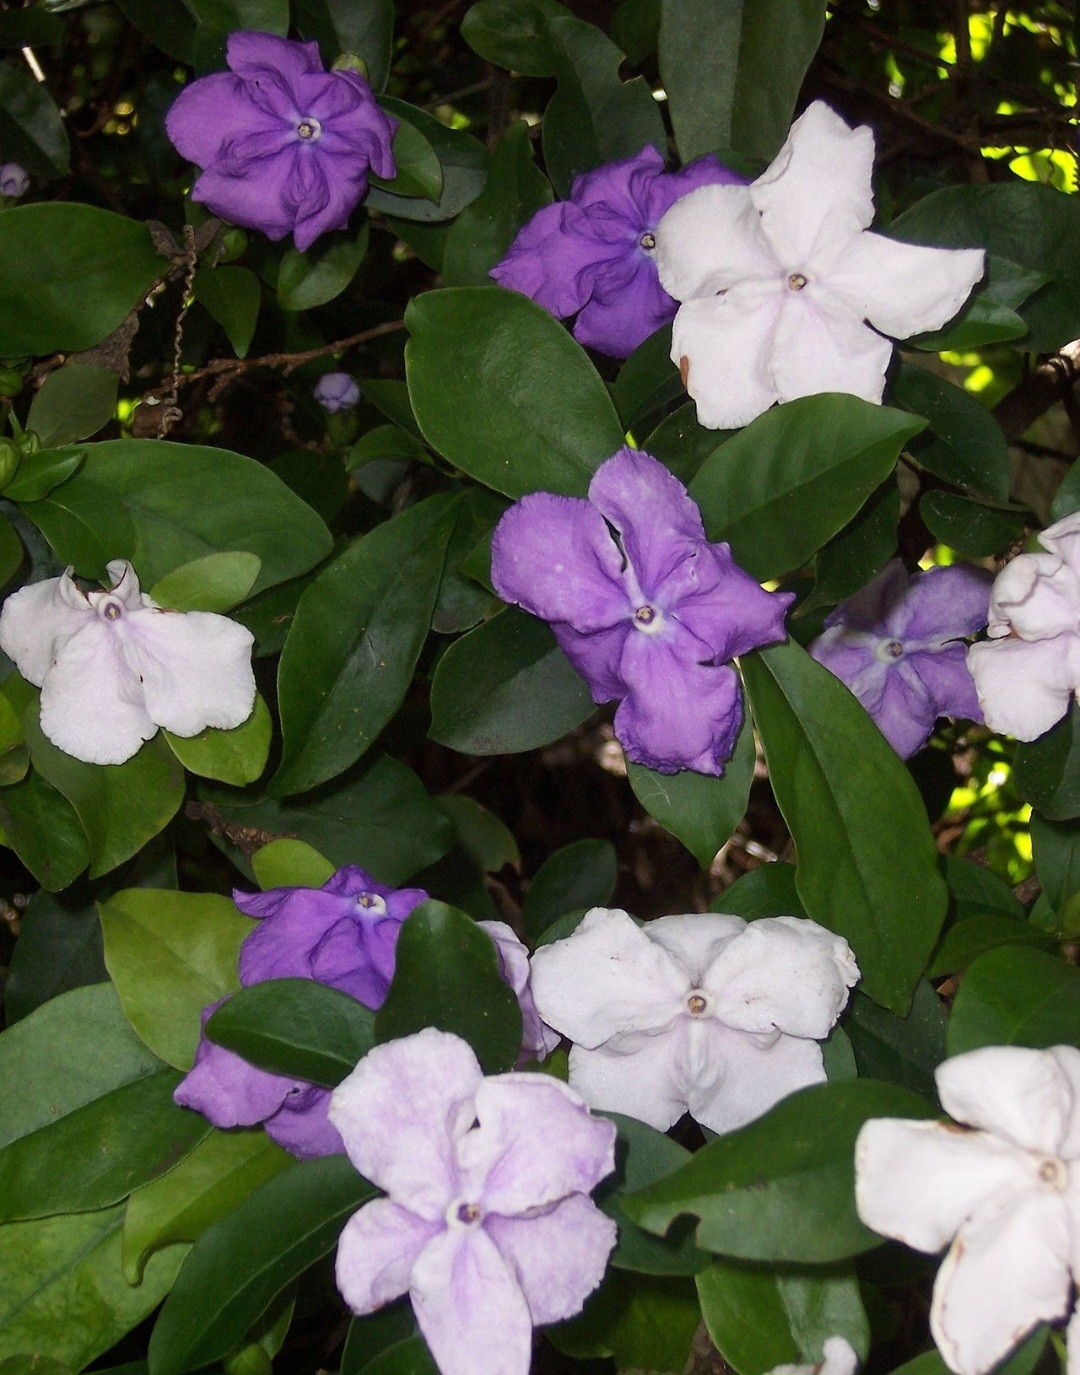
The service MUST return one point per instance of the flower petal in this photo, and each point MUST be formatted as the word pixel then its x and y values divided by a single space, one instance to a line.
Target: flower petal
pixel 658 522
pixel 1024 687
pixel 723 345
pixel 536 1143
pixel 1063 539
pixel 250 52
pixel 251 195
pixel 558 1257
pixel 1007 1270
pixel 711 240
pixel 195 668
pixel 226 1089
pixel 606 979
pixel 378 1247
pixel 626 306
pixel 402 1112
pixel 695 939
pixel 919 1181
pixel 947 679
pixel 92 700
pixel 1036 596
pixel 213 113
pixel 941 604
pixel 905 289
pixel 732 1077
pixel 538 1040
pixel 301 1126
pixel 821 345
pixel 470 1307
pixel 640 1075
pixel 783 974
pixel 1021 1094
pixel 552 260
pixel 34 619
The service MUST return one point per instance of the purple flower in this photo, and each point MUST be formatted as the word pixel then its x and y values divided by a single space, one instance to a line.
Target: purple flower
pixel 336 391
pixel 899 646
pixel 284 145
pixel 13 180
pixel 594 253
pixel 538 1040
pixel 487 1224
pixel 644 607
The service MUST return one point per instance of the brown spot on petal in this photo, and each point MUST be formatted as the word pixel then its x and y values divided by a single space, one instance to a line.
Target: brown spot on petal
pixel 684 371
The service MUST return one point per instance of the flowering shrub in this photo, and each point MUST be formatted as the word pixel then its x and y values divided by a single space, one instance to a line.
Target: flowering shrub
pixel 459 486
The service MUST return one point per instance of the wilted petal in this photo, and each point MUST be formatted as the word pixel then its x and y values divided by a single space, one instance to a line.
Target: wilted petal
pixel 819 346
pixel 377 1250
pixel 1025 687
pixel 401 1113
pixel 194 667
pixel 1036 596
pixel 1007 1271
pixel 470 1307
pixel 1021 1094
pixel 558 1257
pixel 732 1078
pixel 919 1181
pixel 905 289
pixel 711 240
pixel 726 342
pixel 1063 539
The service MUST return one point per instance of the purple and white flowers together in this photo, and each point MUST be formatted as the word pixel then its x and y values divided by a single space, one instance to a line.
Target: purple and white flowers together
pixel 645 608
pixel 113 666
pixel 899 646
pixel 487 1224
pixel 785 290
pixel 284 145
pixel 699 1013
pixel 594 255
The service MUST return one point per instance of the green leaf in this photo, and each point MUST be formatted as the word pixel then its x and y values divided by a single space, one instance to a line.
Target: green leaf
pixel 990 313
pixel 73 1049
pixel 513 34
pixel 730 82
pixel 296 1027
pixel 59 948
pixel 904 1050
pixel 482 233
pixel 970 937
pixel 241 1264
pixel 859 551
pixel 120 806
pixel 343 26
pixel 39 473
pixel 506 687
pixel 794 477
pixel 14 754
pixel 1046 771
pixel 548 419
pixel 170 955
pixel 487 842
pixel 11 557
pixel 31 128
pixel 580 875
pixel 761 1318
pixel 232 295
pixel 463 162
pixel 208 1184
pixel 236 756
pixel 969 448
pixel 74 402
pixel 698 809
pixel 1014 996
pixel 781 1188
pixel 95 1155
pixel 972 528
pixel 382 820
pixel 44 830
pixel 269 16
pixel 635 26
pixel 30 28
pixel 1055 848
pixel 290 864
pixel 70 1266
pixel 321 274
pixel 216 582
pixel 767 891
pixel 594 117
pixel 374 1333
pixel 69 275
pixel 159 489
pixel 408 1357
pixel 419 172
pixel 447 976
pixel 867 862
pixel 648 380
pixel 646 1322
pixel 354 643
pixel 167 23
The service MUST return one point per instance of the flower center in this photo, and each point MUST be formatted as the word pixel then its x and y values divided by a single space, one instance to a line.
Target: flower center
pixel 309 129
pixel 888 651
pixel 648 241
pixel 649 619
pixel 110 610
pixel 1054 1173
pixel 796 281
pixel 697 1003
pixel 371 902
pixel 464 1214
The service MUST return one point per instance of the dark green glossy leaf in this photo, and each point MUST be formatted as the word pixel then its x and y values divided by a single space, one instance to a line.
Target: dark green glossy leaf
pixel 594 117
pixel 465 596
pixel 867 863
pixel 647 380
pixel 1055 848
pixel 781 1188
pixel 795 476
pixel 31 128
pixel 270 16
pixel 904 1050
pixel 447 976
pixel 464 164
pixel 698 809
pixel 990 315
pixel 513 33
pixel 95 1155
pixel 767 891
pixel 730 83
pixel 419 172
pixel 968 448
pixel 506 687
pixel 310 279
pixel 74 403
pixel 232 295
pixel 548 419
pixel 580 875
pixel 39 473
pixel 375 1333
pixel 646 1322
pixel 976 889
pixel 296 1027
pixel 59 948
pixel 480 833
pixel 1046 771
pixel 635 26
pixel 408 1357
pixel 970 527
pixel 167 23
pixel 43 829
pixel 216 582
pixel 343 26
pixel 241 1264
pixel 354 643
pixel 11 556
pixel 484 230
pixel 971 937
pixel 859 551
pixel 69 274
pixel 1014 996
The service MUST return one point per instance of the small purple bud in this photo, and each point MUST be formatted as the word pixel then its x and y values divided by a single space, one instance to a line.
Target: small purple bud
pixel 336 391
pixel 13 180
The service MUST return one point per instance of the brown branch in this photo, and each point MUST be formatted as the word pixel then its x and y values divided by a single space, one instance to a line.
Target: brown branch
pixel 1040 390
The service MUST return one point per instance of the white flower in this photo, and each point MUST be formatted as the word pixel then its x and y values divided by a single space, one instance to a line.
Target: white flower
pixel 1028 671
pixel 113 666
pixel 1006 1194
pixel 837 1358
pixel 778 279
pixel 701 1013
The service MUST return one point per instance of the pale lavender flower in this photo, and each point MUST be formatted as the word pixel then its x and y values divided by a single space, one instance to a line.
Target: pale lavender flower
pixel 13 180
pixel 644 607
pixel 699 1013
pixel 1002 1196
pixel 899 646
pixel 1028 671
pixel 594 254
pixel 538 1040
pixel 113 666
pixel 336 391
pixel 284 145
pixel 487 1224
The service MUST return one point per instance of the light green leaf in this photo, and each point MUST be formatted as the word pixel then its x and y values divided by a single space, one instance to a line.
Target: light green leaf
pixel 236 756
pixel 216 582
pixel 74 403
pixel 290 864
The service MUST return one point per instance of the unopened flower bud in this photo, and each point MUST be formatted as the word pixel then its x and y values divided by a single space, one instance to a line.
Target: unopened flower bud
pixel 11 381
pixel 28 443
pixel 351 62
pixel 336 391
pixel 13 180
